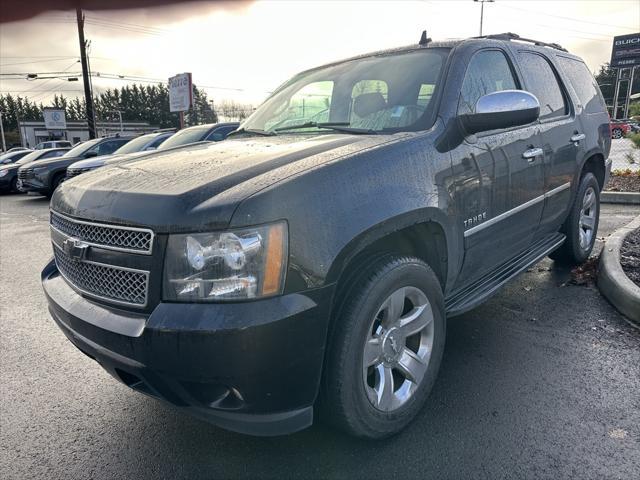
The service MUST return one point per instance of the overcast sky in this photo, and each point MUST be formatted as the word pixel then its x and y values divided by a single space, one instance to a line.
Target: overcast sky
pixel 254 46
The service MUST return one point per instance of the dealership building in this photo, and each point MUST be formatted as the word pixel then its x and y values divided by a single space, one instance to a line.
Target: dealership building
pixel 34 132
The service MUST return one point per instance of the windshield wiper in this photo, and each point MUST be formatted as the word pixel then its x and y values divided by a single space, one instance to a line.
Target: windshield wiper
pixel 347 129
pixel 254 131
pixel 312 124
pixel 337 126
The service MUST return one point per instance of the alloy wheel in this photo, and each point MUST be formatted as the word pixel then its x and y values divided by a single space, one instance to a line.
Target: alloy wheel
pixel 587 218
pixel 398 348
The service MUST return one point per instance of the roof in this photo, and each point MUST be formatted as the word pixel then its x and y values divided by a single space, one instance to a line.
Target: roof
pixel 451 43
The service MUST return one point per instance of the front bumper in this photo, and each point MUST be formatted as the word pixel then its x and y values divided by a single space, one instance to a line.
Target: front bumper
pixel 251 367
pixel 5 182
pixel 33 184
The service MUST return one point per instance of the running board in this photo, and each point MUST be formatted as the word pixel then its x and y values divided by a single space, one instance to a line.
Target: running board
pixel 470 296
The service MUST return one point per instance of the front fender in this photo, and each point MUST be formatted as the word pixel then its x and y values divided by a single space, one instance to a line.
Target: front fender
pixel 339 207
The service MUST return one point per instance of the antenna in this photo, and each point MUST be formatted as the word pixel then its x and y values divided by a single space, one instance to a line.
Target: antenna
pixel 424 39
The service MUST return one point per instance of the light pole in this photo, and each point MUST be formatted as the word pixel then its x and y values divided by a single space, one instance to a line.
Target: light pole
pixel 482 2
pixel 4 145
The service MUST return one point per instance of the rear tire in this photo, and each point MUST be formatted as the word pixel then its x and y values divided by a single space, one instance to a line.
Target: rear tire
pixel 384 349
pixel 616 133
pixel 581 226
pixel 13 187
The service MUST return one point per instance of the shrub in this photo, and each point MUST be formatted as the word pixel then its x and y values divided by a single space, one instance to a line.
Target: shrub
pixel 635 138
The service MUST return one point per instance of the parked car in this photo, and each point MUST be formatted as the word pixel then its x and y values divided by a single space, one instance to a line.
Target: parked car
pixel 619 129
pixel 53 144
pixel 45 177
pixel 318 251
pixel 13 156
pixel 15 149
pixel 136 147
pixel 634 125
pixel 9 173
pixel 201 133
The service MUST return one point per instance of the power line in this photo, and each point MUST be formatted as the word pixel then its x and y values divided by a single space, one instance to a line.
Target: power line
pixel 62 59
pixel 567 18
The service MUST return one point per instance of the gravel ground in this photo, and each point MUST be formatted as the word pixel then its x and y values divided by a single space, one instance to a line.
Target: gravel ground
pixel 630 256
pixel 621 149
pixel 541 381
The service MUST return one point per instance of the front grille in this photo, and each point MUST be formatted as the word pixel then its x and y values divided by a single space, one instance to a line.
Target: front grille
pixel 23 174
pixel 137 240
pixel 73 172
pixel 116 284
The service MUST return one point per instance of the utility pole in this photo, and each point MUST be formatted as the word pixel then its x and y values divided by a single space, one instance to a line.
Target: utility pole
pixel 88 95
pixel 482 2
pixel 4 145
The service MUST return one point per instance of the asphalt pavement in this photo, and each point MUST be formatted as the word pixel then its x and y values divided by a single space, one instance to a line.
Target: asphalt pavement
pixel 542 381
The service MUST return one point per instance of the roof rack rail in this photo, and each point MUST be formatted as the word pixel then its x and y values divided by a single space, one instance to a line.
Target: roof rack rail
pixel 162 130
pixel 515 36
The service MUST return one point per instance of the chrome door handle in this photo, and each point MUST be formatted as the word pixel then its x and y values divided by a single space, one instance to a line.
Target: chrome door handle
pixel 577 137
pixel 532 153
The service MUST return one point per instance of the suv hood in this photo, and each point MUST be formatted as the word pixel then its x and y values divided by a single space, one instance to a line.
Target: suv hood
pixel 198 188
pixel 57 162
pixel 96 162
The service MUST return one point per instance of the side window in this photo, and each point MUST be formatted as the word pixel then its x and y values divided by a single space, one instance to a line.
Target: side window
pixel 584 84
pixel 55 153
pixel 488 72
pixel 543 83
pixel 156 142
pixel 425 94
pixel 220 133
pixel 108 147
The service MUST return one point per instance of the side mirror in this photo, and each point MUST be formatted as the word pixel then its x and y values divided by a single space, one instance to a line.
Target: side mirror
pixel 90 154
pixel 504 109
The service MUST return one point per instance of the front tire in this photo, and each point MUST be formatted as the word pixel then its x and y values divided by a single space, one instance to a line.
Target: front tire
pixel 581 225
pixel 616 133
pixel 57 181
pixel 385 348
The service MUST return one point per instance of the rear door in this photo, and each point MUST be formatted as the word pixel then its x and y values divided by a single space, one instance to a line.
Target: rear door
pixel 498 190
pixel 562 136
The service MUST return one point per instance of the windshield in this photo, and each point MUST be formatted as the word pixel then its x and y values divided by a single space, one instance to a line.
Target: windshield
pixel 29 158
pixel 135 145
pixel 78 150
pixel 372 94
pixel 188 135
pixel 9 157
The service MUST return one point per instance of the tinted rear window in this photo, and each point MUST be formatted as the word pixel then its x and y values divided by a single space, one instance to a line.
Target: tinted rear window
pixel 542 82
pixel 584 84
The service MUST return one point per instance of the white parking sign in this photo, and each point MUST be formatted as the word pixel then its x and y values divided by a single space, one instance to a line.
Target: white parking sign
pixel 180 92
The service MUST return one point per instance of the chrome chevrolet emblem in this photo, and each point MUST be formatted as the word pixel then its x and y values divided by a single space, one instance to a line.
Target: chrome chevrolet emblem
pixel 75 248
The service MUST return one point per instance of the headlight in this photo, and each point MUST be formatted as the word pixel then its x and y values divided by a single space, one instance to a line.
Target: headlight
pixel 234 265
pixel 3 173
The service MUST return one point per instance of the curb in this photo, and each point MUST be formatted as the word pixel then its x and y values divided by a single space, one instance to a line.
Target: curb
pixel 613 282
pixel 626 198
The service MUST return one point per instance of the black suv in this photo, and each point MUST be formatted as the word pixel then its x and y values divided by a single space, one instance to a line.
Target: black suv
pixel 310 261
pixel 47 175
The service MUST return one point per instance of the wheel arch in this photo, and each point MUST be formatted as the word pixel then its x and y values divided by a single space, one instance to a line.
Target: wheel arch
pixel 425 234
pixel 595 163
